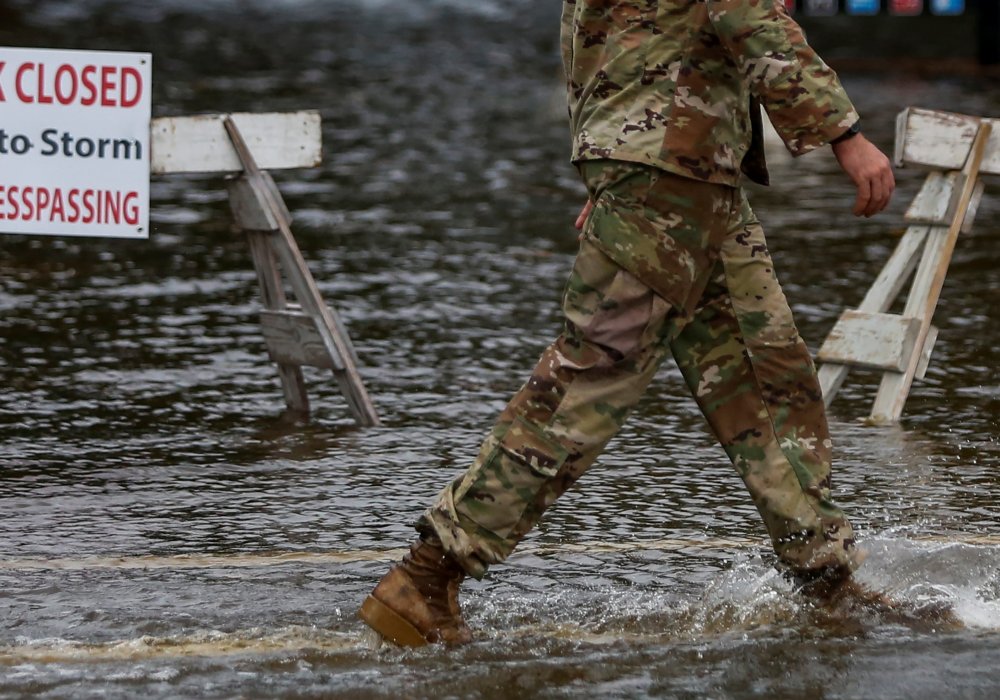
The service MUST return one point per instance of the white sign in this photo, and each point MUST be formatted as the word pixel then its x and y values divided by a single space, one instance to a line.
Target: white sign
pixel 74 142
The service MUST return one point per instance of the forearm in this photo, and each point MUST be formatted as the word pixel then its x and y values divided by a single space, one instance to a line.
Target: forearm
pixel 802 95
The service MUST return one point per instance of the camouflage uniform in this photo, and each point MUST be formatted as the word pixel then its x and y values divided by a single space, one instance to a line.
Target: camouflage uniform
pixel 673 260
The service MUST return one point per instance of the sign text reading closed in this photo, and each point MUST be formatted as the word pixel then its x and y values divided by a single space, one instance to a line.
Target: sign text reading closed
pixel 74 142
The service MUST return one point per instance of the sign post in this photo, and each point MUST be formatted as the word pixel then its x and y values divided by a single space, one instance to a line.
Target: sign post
pixel 74 142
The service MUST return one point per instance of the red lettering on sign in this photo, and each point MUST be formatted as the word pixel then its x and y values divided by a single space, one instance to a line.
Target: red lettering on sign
pixel 29 206
pixel 43 99
pixel 130 75
pixel 107 85
pixel 18 87
pixel 55 205
pixel 2 98
pixel 87 80
pixel 66 94
pixel 88 206
pixel 65 84
pixel 74 206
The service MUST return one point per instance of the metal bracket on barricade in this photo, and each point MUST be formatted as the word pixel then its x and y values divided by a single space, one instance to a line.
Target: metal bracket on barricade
pixel 959 148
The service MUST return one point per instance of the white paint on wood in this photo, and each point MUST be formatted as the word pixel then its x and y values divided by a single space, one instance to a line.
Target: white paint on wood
pixel 895 387
pixel 201 145
pixel 874 341
pixel 938 197
pixel 879 298
pixel 948 202
pixel 892 382
pixel 942 140
pixel 932 202
pixel 897 270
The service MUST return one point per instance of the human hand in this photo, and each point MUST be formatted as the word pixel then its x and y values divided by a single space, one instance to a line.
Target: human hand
pixel 584 213
pixel 871 172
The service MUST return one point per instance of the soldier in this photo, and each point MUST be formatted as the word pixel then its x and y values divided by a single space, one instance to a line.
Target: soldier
pixel 664 102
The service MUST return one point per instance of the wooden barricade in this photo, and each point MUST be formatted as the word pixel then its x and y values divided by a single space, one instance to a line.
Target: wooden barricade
pixel 959 149
pixel 308 332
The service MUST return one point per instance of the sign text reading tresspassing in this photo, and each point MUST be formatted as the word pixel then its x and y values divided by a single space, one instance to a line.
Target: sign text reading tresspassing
pixel 74 142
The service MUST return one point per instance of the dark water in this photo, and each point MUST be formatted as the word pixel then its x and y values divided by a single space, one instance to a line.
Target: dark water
pixel 165 532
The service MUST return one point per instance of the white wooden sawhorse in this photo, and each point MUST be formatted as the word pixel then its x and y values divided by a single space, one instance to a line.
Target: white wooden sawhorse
pixel 959 148
pixel 308 332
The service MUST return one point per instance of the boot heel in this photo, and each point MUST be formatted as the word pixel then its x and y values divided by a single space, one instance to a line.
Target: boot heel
pixel 390 625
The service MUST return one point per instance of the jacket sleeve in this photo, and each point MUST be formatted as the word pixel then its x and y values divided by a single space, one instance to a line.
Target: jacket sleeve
pixel 802 95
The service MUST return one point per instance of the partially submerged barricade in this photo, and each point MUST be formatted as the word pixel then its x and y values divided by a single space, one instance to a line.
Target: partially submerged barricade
pixel 305 333
pixel 958 149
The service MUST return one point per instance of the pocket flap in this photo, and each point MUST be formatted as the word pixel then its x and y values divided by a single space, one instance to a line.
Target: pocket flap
pixel 528 445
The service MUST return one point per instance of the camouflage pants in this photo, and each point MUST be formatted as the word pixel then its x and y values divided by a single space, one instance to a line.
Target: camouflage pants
pixel 666 264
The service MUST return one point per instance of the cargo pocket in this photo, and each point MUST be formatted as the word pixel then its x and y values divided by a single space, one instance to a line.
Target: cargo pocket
pixel 510 478
pixel 650 246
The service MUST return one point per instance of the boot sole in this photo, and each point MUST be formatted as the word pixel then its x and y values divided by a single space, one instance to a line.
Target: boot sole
pixel 390 624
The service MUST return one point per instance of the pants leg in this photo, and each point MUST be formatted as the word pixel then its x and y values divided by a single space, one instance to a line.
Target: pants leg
pixel 586 383
pixel 642 285
pixel 754 380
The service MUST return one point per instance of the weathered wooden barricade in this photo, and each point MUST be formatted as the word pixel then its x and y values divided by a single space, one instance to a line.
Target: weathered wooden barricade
pixel 958 149
pixel 307 332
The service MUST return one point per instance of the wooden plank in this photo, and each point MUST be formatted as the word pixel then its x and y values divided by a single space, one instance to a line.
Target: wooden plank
pixel 897 270
pixel 934 199
pixel 920 289
pixel 293 339
pixel 895 387
pixel 871 340
pixel 878 299
pixel 249 210
pixel 268 275
pixel 943 140
pixel 293 384
pixel 925 356
pixel 200 144
pixel 935 203
pixel 970 213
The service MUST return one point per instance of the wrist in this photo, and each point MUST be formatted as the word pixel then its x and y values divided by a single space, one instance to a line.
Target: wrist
pixel 851 132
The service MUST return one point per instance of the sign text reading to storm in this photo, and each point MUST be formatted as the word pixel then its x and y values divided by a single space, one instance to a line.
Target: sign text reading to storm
pixel 74 142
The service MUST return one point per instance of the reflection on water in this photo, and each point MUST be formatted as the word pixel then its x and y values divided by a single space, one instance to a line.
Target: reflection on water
pixel 165 531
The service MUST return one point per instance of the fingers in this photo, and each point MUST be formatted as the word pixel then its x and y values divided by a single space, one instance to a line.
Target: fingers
pixel 888 185
pixel 871 172
pixel 863 202
pixel 875 192
pixel 584 213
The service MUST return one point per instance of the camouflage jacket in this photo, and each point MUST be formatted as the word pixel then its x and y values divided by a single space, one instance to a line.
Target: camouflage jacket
pixel 676 84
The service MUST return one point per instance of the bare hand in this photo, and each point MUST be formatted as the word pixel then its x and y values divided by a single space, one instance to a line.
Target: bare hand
pixel 870 170
pixel 584 213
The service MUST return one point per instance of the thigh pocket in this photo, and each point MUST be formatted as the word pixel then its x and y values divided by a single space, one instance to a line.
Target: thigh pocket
pixel 652 246
pixel 511 476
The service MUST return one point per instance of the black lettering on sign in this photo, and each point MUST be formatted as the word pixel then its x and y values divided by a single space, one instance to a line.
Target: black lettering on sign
pixel 51 146
pixel 66 144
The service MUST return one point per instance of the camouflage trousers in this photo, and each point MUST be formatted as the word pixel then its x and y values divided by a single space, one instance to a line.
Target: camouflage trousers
pixel 666 265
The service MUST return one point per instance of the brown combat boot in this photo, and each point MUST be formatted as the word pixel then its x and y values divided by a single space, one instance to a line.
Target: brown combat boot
pixel 416 603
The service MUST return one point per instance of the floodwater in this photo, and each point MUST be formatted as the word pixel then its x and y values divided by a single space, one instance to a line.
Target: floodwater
pixel 165 531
